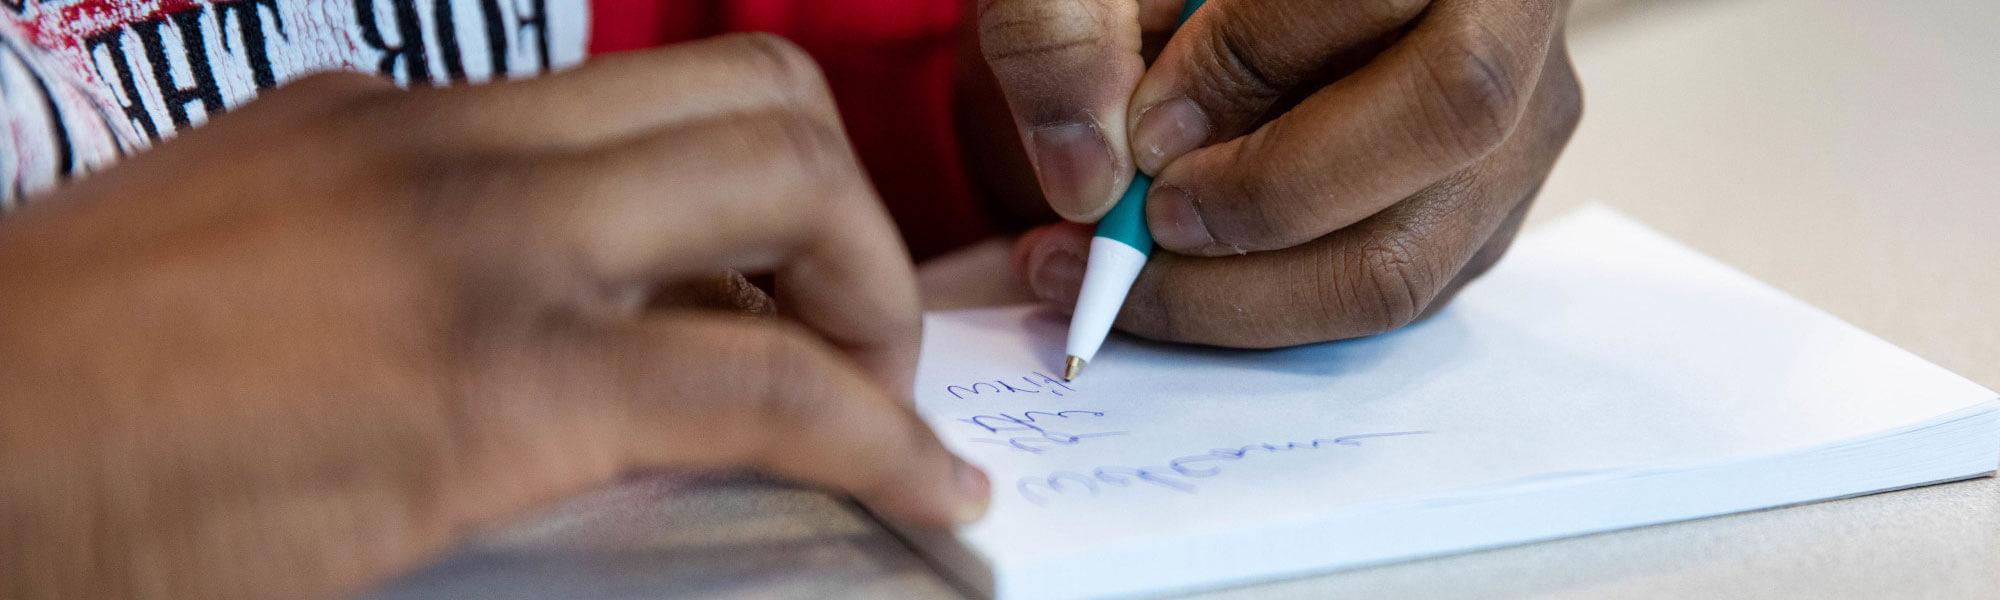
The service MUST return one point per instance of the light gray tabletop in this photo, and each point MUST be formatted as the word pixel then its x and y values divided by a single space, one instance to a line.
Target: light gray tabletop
pixel 1843 150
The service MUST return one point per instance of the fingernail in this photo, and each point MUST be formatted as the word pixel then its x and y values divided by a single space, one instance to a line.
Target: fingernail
pixel 975 492
pixel 1075 166
pixel 1168 130
pixel 1058 276
pixel 1175 222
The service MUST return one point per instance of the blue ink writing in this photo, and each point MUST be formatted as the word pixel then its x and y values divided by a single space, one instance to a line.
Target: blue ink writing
pixel 1033 383
pixel 1026 420
pixel 1034 437
pixel 1177 474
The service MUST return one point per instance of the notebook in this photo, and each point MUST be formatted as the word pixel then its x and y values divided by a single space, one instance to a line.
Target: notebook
pixel 1601 377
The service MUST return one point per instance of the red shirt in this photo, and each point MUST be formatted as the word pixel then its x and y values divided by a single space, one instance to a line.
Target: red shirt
pixel 890 64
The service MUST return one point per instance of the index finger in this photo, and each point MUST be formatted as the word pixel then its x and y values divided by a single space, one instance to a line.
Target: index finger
pixel 770 192
pixel 1226 68
pixel 1438 100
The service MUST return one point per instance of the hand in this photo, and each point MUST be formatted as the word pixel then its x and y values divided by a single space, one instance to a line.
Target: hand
pixel 321 338
pixel 1325 170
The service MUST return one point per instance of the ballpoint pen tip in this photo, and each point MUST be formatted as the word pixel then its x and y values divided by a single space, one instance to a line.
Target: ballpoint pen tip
pixel 1072 368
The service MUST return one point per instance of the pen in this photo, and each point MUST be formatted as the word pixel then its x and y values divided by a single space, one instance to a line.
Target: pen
pixel 1118 251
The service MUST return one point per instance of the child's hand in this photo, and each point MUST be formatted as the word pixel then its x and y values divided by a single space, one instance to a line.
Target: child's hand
pixel 327 335
pixel 1325 169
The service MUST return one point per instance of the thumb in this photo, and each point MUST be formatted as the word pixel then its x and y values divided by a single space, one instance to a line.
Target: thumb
pixel 1068 68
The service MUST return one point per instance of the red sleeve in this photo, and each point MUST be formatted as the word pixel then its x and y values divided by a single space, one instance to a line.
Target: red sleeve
pixel 889 63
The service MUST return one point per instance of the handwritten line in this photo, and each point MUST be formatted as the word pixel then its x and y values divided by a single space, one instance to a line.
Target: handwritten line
pixel 1039 490
pixel 1037 438
pixel 1027 420
pixel 1035 382
pixel 1059 439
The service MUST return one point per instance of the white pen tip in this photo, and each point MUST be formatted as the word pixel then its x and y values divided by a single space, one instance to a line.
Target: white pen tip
pixel 1072 368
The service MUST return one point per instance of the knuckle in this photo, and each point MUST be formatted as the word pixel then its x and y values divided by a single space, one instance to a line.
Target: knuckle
pixel 783 62
pixel 465 184
pixel 1033 30
pixel 796 146
pixel 1396 11
pixel 1389 278
pixel 404 126
pixel 786 395
pixel 361 110
pixel 396 119
pixel 368 141
pixel 1234 67
pixel 776 56
pixel 337 84
pixel 1387 289
pixel 460 207
pixel 1478 99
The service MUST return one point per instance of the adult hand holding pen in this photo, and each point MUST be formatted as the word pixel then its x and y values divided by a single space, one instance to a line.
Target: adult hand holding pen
pixel 1323 170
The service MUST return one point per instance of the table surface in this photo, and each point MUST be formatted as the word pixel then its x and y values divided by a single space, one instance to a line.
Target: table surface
pixel 1838 149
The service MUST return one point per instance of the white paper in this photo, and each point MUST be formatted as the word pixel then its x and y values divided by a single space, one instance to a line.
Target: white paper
pixel 1598 352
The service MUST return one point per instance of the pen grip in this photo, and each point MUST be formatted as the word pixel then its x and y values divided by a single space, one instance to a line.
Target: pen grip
pixel 1126 223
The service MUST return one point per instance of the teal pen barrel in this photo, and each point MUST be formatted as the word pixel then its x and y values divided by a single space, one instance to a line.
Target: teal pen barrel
pixel 1118 252
pixel 1126 223
pixel 1188 11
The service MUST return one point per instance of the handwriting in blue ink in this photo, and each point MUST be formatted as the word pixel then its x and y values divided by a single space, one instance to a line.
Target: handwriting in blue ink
pixel 1033 383
pixel 1177 474
pixel 1034 438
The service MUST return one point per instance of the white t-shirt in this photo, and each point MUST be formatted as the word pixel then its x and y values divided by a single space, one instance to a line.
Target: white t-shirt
pixel 86 82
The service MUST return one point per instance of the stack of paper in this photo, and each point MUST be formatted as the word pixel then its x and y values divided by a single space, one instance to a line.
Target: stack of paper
pixel 1601 377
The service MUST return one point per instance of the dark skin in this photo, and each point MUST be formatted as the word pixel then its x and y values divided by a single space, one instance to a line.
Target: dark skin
pixel 315 342
pixel 320 339
pixel 1323 170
